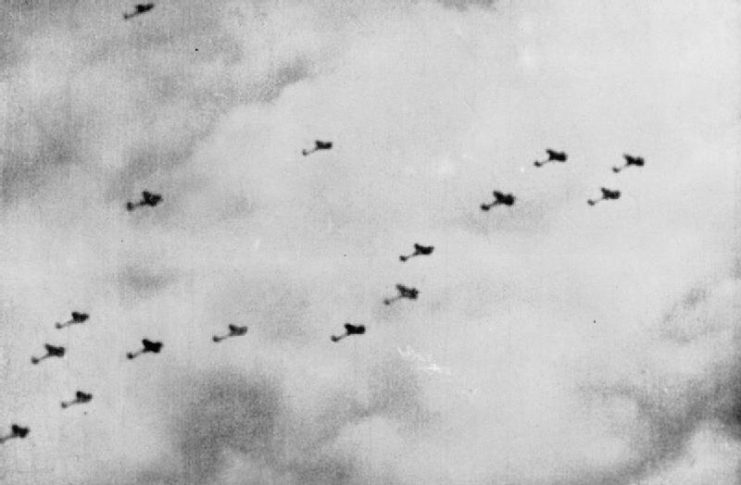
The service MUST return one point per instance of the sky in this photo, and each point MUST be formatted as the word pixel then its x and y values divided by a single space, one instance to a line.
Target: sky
pixel 551 343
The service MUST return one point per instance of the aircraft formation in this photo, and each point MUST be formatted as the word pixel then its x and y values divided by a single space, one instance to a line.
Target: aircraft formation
pixel 554 156
pixel 152 200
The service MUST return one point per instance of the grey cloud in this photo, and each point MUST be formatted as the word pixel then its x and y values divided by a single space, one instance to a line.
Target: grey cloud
pixel 228 418
pixel 142 69
pixel 282 78
pixel 227 412
pixel 462 4
pixel 230 412
pixel 139 282
pixel 395 392
pixel 502 298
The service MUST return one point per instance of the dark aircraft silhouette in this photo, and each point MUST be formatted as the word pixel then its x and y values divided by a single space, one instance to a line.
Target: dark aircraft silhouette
pixel 77 318
pixel 16 431
pixel 234 331
pixel 148 198
pixel 553 156
pixel 629 160
pixel 500 198
pixel 607 194
pixel 80 398
pixel 404 292
pixel 350 329
pixel 147 346
pixel 318 145
pixel 140 9
pixel 51 351
pixel 419 250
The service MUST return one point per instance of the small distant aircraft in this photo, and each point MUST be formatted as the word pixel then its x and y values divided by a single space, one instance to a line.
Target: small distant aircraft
pixel 77 318
pixel 350 329
pixel 147 346
pixel 80 398
pixel 234 331
pixel 607 194
pixel 553 156
pixel 318 145
pixel 16 431
pixel 419 250
pixel 500 198
pixel 404 292
pixel 629 160
pixel 148 198
pixel 139 9
pixel 51 351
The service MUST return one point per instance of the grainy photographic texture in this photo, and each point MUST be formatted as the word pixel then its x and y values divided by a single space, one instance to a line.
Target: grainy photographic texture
pixel 370 242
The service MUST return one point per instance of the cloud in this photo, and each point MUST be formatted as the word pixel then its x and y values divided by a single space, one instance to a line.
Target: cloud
pixel 580 345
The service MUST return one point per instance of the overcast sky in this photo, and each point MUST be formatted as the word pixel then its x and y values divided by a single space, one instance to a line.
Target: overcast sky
pixel 551 343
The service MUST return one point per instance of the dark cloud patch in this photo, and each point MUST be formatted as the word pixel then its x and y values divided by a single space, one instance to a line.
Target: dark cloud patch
pixel 225 418
pixel 730 409
pixel 146 477
pixel 325 469
pixel 141 281
pixel 727 405
pixel 695 313
pixel 218 413
pixel 284 77
pixel 48 147
pixel 670 423
pixel 691 300
pixel 132 88
pixel 231 412
pixel 463 4
pixel 395 392
pixel 671 428
pixel 20 176
pixel 228 423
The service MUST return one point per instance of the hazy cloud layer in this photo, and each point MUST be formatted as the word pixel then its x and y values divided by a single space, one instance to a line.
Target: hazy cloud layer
pixel 552 343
